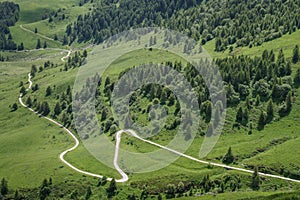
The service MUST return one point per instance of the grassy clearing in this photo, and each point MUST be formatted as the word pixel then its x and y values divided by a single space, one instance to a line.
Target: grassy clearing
pixel 286 42
pixel 58 27
pixel 33 10
pixel 30 39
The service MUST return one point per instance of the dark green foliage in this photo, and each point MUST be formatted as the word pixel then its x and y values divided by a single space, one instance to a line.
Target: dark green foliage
pixel 88 193
pixel 57 109
pixel 295 58
pixel 112 189
pixel 288 102
pixel 14 107
pixel 255 184
pixel 270 111
pixel 171 191
pixel 4 187
pixel 38 44
pixel 261 121
pixel 232 26
pixel 29 102
pixel 45 45
pixel 23 90
pixel 45 109
pixel 228 158
pixel 45 190
pixel 239 115
pixel 8 17
pixel 48 91
pixel 297 77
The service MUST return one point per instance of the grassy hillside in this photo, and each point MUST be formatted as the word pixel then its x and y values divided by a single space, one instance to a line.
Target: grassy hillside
pixel 30 146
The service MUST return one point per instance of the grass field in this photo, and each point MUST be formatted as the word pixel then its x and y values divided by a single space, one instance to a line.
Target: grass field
pixel 286 42
pixel 30 146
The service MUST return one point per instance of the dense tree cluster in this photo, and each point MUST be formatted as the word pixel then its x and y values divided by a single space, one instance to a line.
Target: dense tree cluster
pixel 245 23
pixel 8 17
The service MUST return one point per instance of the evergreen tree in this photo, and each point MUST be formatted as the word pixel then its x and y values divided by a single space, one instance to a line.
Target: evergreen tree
pixel 239 115
pixel 270 111
pixel 88 193
pixel 255 184
pixel 288 102
pixel 45 108
pixel 297 77
pixel 38 44
pixel 261 121
pixel 245 117
pixel 17 196
pixel 57 109
pixel 208 112
pixel 45 45
pixel 112 189
pixel 228 158
pixel 295 58
pixel 29 102
pixel 14 107
pixel 23 90
pixel 48 91
pixel 4 187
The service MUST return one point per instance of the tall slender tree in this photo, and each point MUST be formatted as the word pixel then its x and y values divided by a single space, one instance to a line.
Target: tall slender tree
pixel 295 58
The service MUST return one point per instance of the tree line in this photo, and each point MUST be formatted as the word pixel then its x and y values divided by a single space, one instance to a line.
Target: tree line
pixel 8 17
pixel 246 23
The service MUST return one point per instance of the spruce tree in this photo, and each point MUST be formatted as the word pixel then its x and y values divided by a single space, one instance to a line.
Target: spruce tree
pixel 38 44
pixel 112 189
pixel 255 184
pixel 228 158
pixel 295 58
pixel 4 187
pixel 261 121
pixel 239 115
pixel 288 102
pixel 48 91
pixel 270 111
pixel 57 109
pixel 29 102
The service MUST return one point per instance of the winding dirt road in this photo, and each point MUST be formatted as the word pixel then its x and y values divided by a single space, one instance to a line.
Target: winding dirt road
pixel 134 134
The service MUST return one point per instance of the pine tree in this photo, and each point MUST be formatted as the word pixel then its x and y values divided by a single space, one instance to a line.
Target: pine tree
pixel 255 184
pixel 228 158
pixel 57 109
pixel 88 193
pixel 29 102
pixel 45 45
pixel 261 121
pixel 112 189
pixel 23 90
pixel 239 115
pixel 4 187
pixel 38 45
pixel 208 112
pixel 270 111
pixel 295 58
pixel 45 108
pixel 297 77
pixel 14 107
pixel 288 102
pixel 48 91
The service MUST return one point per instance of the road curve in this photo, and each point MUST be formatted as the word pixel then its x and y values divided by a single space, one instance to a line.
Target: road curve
pixel 61 156
pixel 67 56
pixel 134 134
